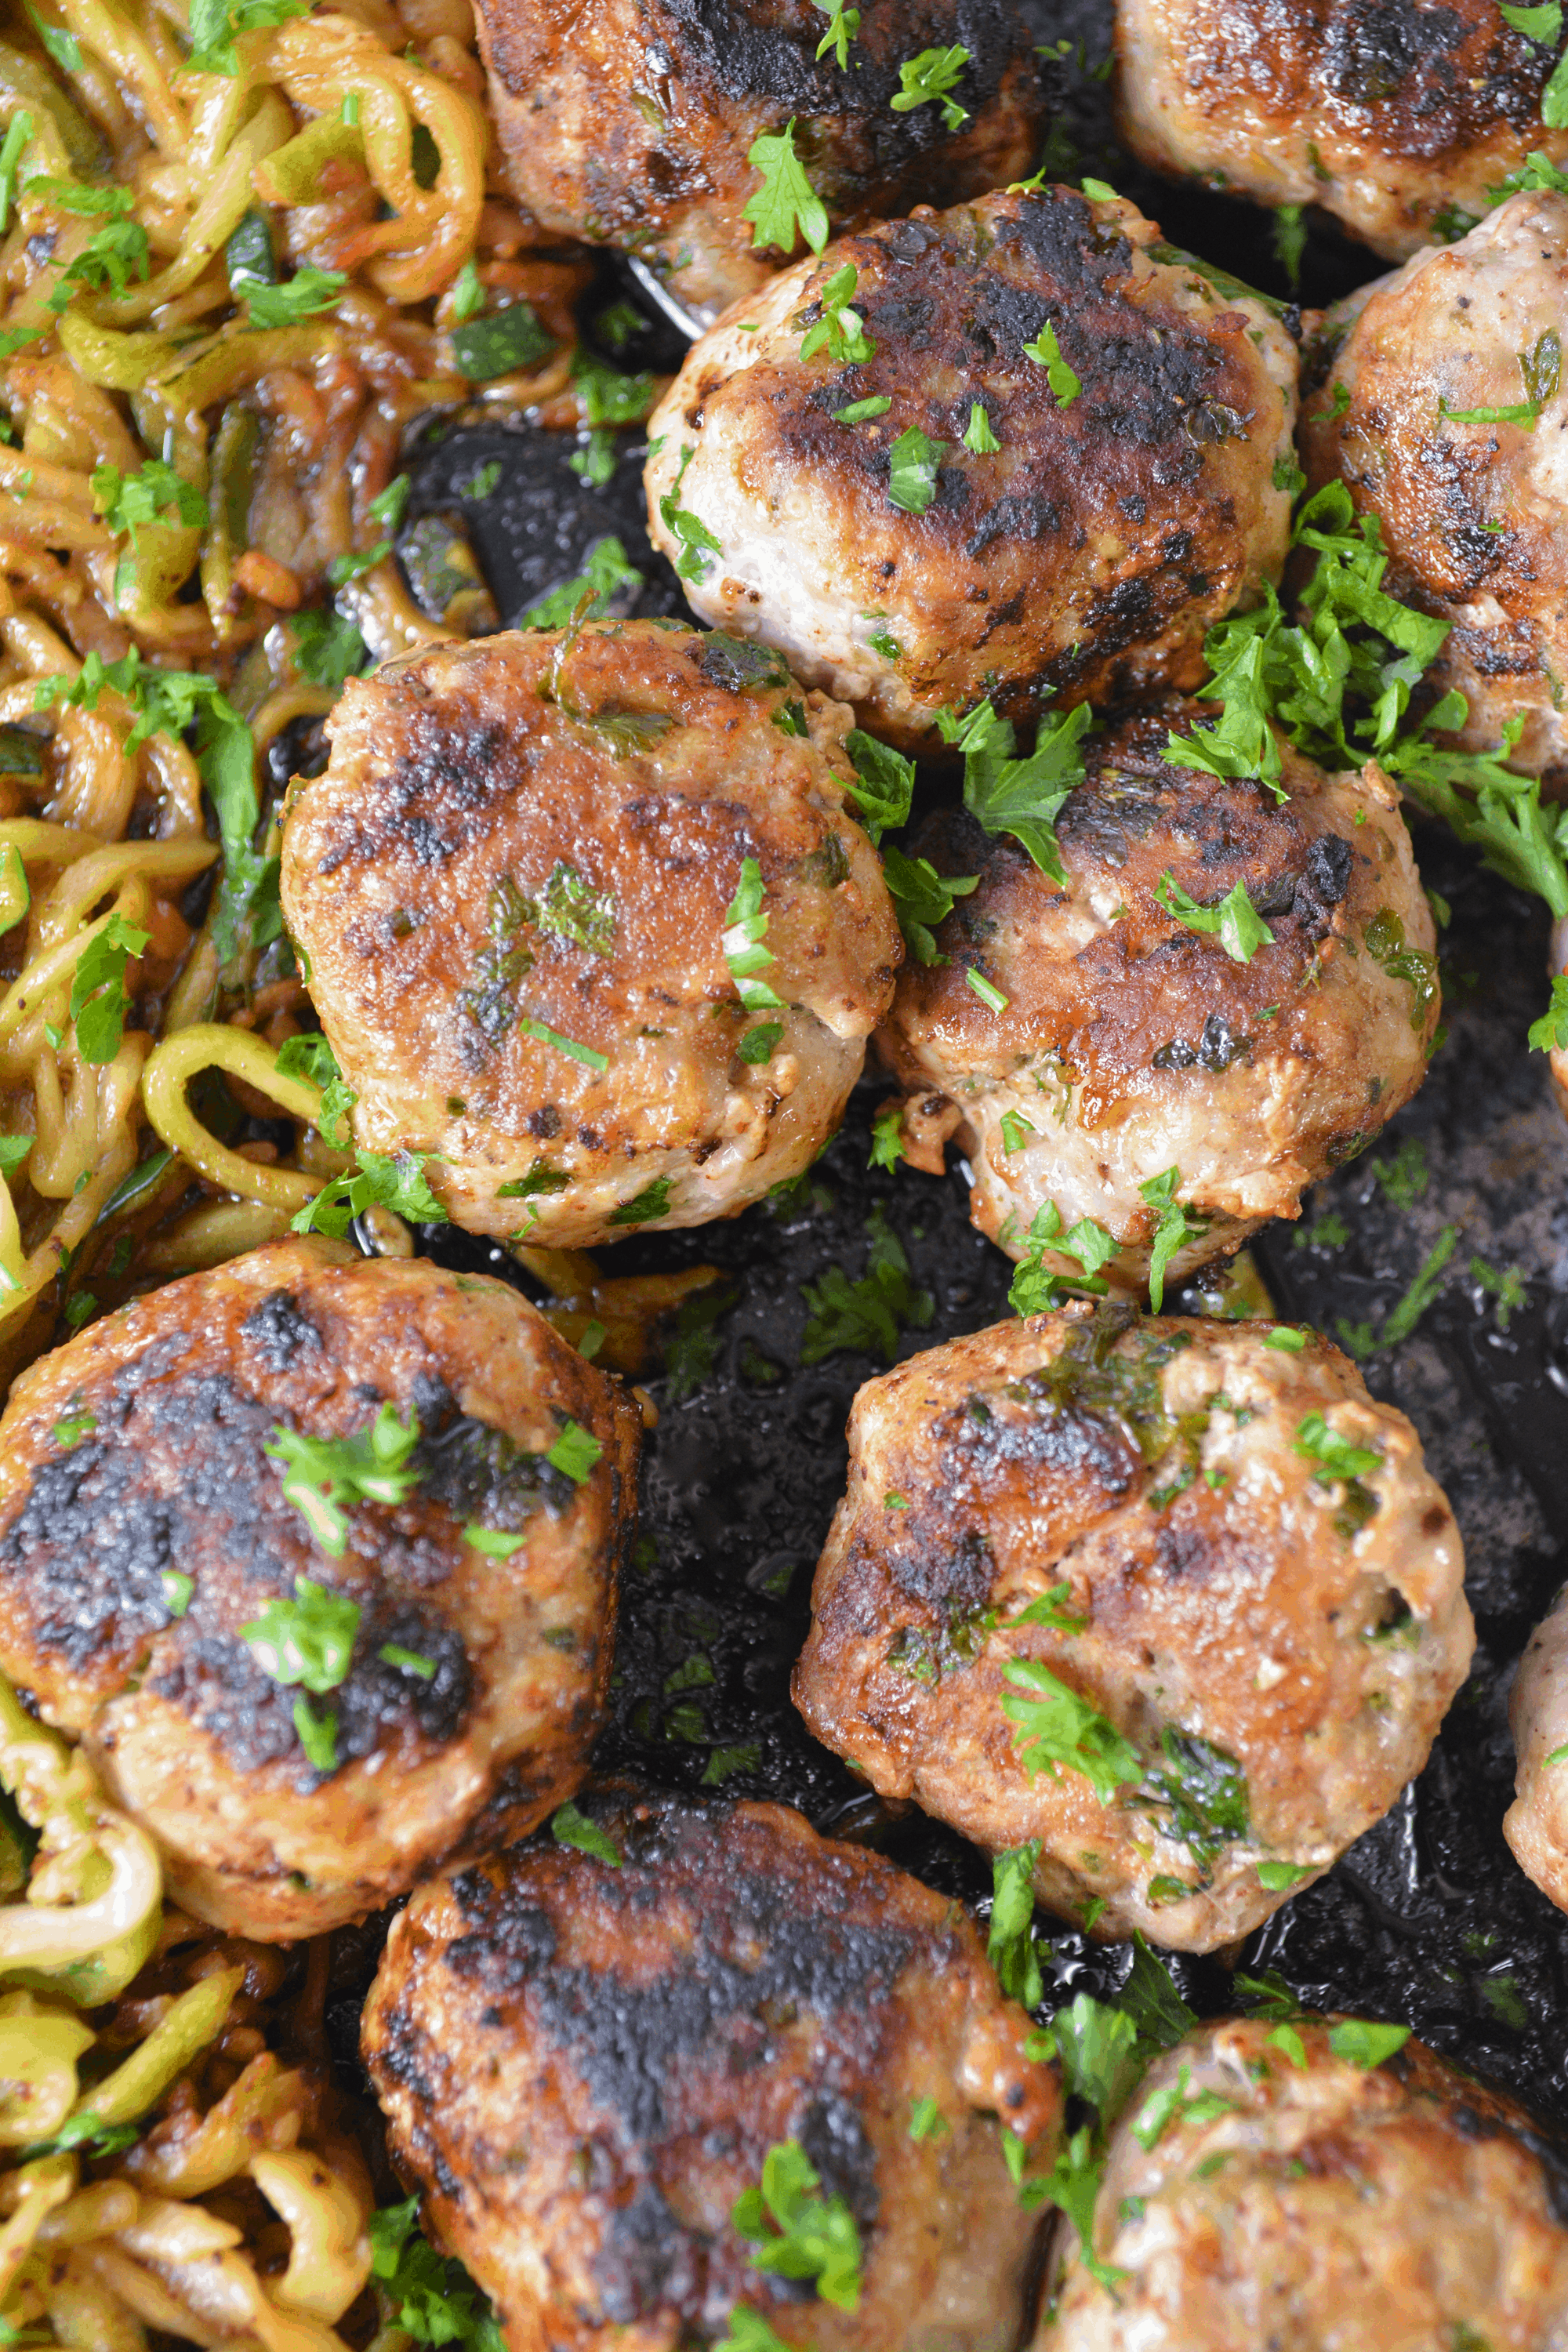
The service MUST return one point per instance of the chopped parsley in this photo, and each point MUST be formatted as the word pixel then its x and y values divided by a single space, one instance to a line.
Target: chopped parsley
pixel 927 2120
pixel 744 952
pixel 883 786
pixel 214 23
pixel 1054 1726
pixel 840 331
pixel 913 461
pixel 1020 796
pixel 865 1317
pixel 843 25
pixel 861 412
pixel 1034 1289
pixel 324 1475
pixel 575 1453
pixel 327 649
pixel 433 2299
pixel 887 1136
pixel 1550 1034
pixel 646 1207
pixel 395 1181
pixel 98 1003
pixel 1176 1226
pixel 933 74
pixel 786 207
pixel 570 1826
pixel 1177 2102
pixel 1278 1877
pixel 921 899
pixel 798 2232
pixel 1046 352
pixel 977 434
pixel 1010 1946
pixel 696 542
pixel 304 296
pixel 985 989
pixel 1242 929
pixel 1366 2044
pixel 128 501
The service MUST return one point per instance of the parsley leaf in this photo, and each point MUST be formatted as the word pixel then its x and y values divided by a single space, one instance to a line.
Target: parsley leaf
pixel 746 928
pixel 126 502
pixel 884 784
pixel 308 292
pixel 1098 2044
pixel 922 898
pixel 1336 1455
pixel 433 2300
pixel 309 1639
pixel 1550 1034
pixel 865 1316
pixel 1010 1945
pixel 326 1473
pixel 913 461
pixel 395 1183
pixel 933 74
pixel 214 23
pixel 18 131
pixel 810 2236
pixel 1056 1727
pixel 840 331
pixel 570 1826
pixel 575 1453
pixel 696 542
pixel 97 1000
pixel 1046 352
pixel 787 205
pixel 1242 929
pixel 843 25
pixel 1177 2102
pixel 1023 797
pixel 606 571
pixel 1152 2000
pixel 750 2332
pixel 1072 2185
pixel 1366 2044
pixel 977 433
pixel 1037 1291
pixel 927 2120
pixel 327 648
pixel 308 1055
pixel 1176 1226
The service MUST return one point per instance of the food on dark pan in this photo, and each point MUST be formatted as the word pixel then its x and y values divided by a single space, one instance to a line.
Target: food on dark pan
pixel 1013 449
pixel 1173 1607
pixel 740 2024
pixel 1149 1052
pixel 588 920
pixel 316 1555
pixel 637 126
pixel 842 856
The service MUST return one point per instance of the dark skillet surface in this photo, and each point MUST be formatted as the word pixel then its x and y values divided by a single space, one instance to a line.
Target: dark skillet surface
pixel 1428 1919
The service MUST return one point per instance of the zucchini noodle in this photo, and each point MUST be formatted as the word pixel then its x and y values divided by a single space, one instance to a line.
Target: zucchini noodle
pixel 229 286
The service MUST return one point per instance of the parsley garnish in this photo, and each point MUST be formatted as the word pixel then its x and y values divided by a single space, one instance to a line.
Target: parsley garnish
pixel 1176 1226
pixel 1046 352
pixel 1366 2044
pixel 798 2232
pixel 922 898
pixel 303 296
pixel 932 74
pixel 327 648
pixel 128 502
pixel 913 461
pixel 696 542
pixel 570 1826
pixel 18 130
pixel 865 1316
pixel 308 1055
pixel 1242 929
pixel 98 1003
pixel 887 1136
pixel 787 205
pixel 395 1183
pixel 1279 1876
pixel 746 928
pixel 884 785
pixel 575 1453
pixel 840 331
pixel 326 1473
pixel 1010 1946
pixel 977 433
pixel 1337 1456
pixel 927 2120
pixel 309 1639
pixel 1020 796
pixel 1072 2185
pixel 1550 1034
pixel 861 412
pixel 1056 1726
pixel 1036 1290
pixel 843 25
pixel 214 23
pixel 607 570
pixel 433 2300
pixel 1177 2102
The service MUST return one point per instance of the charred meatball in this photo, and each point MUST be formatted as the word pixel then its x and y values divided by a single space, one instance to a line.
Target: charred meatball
pixel 1536 1824
pixel 310 1699
pixel 1057 467
pixel 1178 1602
pixel 1398 118
pixel 630 122
pixel 586 2057
pixel 1445 411
pixel 586 919
pixel 1265 2190
pixel 1131 1044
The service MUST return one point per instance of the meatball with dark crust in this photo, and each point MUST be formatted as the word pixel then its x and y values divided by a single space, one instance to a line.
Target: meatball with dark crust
pixel 1137 490
pixel 145 1527
pixel 585 2063
pixel 1443 412
pixel 586 919
pixel 1129 1043
pixel 1245 1652
pixel 628 122
pixel 1397 118
pixel 1264 2190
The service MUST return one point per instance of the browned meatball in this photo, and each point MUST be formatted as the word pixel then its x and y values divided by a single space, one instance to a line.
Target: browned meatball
pixel 1473 506
pixel 1098 1582
pixel 1264 2190
pixel 1536 1824
pixel 1130 1044
pixel 1397 118
pixel 1086 552
pixel 522 886
pixel 148 1543
pixel 585 2063
pixel 629 122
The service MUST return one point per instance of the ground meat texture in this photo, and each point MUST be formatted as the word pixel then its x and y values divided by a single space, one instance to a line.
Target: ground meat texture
pixel 1130 1044
pixel 514 885
pixel 1260 1653
pixel 1322 2205
pixel 1474 515
pixel 1396 118
pixel 1536 1824
pixel 143 1526
pixel 628 122
pixel 584 2066
pixel 1084 557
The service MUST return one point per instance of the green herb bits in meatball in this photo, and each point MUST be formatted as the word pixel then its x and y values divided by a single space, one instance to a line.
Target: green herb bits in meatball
pixel 1222 990
pixel 1016 450
pixel 1317 2182
pixel 588 921
pixel 709 139
pixel 316 1556
pixel 1173 1604
pixel 690 2073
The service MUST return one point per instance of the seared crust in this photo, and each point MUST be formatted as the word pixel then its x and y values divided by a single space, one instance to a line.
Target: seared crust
pixel 1325 2204
pixel 585 2065
pixel 1279 1652
pixel 136 1450
pixel 1086 557
pixel 1130 1044
pixel 1473 514
pixel 543 833
pixel 628 122
pixel 1397 118
pixel 1536 1824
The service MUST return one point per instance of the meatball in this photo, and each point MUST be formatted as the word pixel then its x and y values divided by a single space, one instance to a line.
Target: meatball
pixel 1173 1599
pixel 585 2062
pixel 1263 2189
pixel 586 919
pixel 630 122
pixel 1055 470
pixel 1398 118
pixel 309 1704
pixel 1129 1043
pixel 1536 1824
pixel 1474 514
